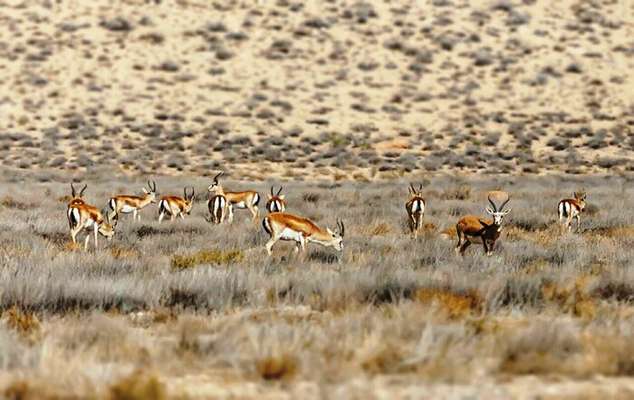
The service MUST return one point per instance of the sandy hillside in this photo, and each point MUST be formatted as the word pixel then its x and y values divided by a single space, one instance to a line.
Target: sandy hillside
pixel 348 89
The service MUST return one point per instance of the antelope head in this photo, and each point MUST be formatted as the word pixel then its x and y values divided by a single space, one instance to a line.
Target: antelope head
pixel 189 200
pixel 336 240
pixel 215 185
pixel 106 229
pixel 581 198
pixel 415 192
pixel 77 197
pixel 498 212
pixel 150 192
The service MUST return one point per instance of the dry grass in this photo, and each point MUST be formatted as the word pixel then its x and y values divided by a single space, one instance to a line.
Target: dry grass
pixel 197 307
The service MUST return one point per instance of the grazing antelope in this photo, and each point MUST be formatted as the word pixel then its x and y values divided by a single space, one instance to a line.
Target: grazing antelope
pixel 471 229
pixel 570 209
pixel 248 199
pixel 276 202
pixel 283 226
pixel 218 207
pixel 76 198
pixel 415 208
pixel 176 206
pixel 124 204
pixel 82 216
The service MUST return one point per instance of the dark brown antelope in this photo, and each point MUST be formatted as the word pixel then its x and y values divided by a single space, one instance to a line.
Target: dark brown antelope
pixel 472 229
pixel 570 209
pixel 415 208
pixel 276 202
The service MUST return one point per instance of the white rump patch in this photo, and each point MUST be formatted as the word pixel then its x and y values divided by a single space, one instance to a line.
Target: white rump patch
pixel 127 209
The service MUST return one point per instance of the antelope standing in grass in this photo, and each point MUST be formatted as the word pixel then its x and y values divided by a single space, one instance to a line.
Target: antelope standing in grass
pixel 570 209
pixel 283 226
pixel 176 206
pixel 247 199
pixel 82 216
pixel 276 202
pixel 75 197
pixel 218 207
pixel 472 229
pixel 125 204
pixel 415 207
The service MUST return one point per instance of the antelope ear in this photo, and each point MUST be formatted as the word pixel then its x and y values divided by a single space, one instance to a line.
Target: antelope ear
pixel 331 233
pixel 488 209
pixel 268 195
pixel 508 210
pixel 145 191
pixel 282 196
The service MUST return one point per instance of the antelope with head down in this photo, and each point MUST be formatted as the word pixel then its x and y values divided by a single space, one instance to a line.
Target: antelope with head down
pixel 415 208
pixel 276 202
pixel 247 199
pixel 176 206
pixel 82 216
pixel 125 204
pixel 570 209
pixel 283 226
pixel 472 229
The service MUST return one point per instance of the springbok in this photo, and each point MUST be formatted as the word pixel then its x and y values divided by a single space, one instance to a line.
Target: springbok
pixel 570 209
pixel 218 207
pixel 415 208
pixel 283 226
pixel 125 204
pixel 82 216
pixel 247 199
pixel 176 206
pixel 276 202
pixel 472 229
pixel 75 197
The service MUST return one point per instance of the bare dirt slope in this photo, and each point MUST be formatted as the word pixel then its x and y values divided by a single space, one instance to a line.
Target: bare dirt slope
pixel 317 88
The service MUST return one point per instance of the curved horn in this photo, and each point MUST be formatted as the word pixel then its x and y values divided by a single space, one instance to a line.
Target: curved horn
pixel 508 198
pixel 492 203
pixel 218 176
pixel 153 186
pixel 185 192
pixel 420 187
pixel 411 187
pixel 193 193
pixel 272 191
pixel 280 191
pixel 81 192
pixel 72 189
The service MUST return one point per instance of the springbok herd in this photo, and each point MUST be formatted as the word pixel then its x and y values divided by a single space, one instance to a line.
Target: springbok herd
pixel 281 225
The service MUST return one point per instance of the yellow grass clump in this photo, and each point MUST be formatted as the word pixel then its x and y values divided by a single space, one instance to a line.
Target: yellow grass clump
pixel 217 257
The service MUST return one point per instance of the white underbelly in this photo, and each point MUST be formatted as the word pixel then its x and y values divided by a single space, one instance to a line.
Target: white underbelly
pixel 88 223
pixel 289 234
pixel 127 209
pixel 240 204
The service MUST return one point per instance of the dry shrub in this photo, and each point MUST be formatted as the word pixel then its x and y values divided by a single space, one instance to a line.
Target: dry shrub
pixel 380 229
pixel 24 322
pixel 462 192
pixel 454 304
pixel 217 257
pixel 575 300
pixel 388 358
pixel 122 252
pixel 138 386
pixel 70 246
pixel 278 367
pixel 10 202
pixel 23 390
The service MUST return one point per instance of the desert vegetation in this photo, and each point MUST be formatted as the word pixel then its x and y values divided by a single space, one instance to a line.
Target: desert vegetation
pixel 351 89
pixel 194 310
